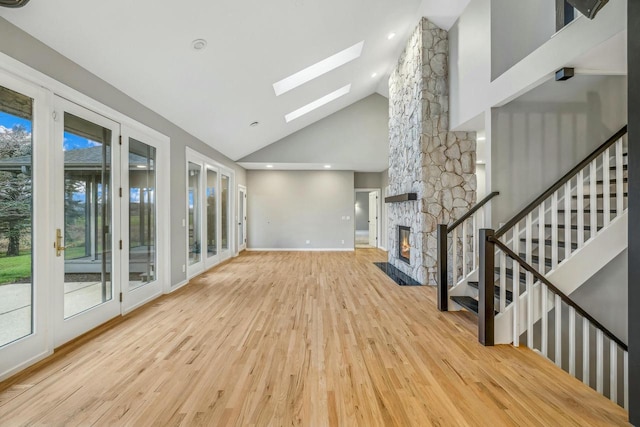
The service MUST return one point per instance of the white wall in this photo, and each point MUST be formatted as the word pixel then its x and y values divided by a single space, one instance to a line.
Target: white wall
pixel 517 29
pixel 538 138
pixel 471 90
pixel 362 211
pixel 358 135
pixel 287 208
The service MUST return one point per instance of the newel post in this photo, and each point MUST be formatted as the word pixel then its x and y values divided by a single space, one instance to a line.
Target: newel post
pixel 486 305
pixel 443 282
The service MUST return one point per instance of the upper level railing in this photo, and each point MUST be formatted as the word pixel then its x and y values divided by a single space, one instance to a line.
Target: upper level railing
pixel 463 235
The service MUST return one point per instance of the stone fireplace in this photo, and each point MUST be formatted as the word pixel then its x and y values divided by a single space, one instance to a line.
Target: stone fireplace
pixel 404 248
pixel 424 156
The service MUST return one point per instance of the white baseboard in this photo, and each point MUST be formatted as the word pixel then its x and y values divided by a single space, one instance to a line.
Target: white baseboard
pixel 300 249
pixel 382 248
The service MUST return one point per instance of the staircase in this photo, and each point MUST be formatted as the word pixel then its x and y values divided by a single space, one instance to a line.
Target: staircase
pixel 519 276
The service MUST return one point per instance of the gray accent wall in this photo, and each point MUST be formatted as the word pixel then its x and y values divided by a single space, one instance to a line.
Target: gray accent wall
pixel 605 296
pixel 357 135
pixel 287 208
pixel 517 29
pixel 21 46
pixel 539 137
pixel 368 179
pixel 362 211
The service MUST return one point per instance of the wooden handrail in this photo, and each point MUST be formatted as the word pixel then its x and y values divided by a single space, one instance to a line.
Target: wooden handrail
pixel 565 298
pixel 531 206
pixel 471 211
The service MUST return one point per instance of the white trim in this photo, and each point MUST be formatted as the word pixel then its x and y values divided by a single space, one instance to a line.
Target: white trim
pixel 242 245
pixel 379 217
pixel 383 248
pixel 300 249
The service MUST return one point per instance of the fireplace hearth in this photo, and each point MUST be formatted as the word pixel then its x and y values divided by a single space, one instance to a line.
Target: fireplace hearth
pixel 404 248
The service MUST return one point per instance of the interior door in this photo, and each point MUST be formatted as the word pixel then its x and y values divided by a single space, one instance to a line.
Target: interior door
pixel 212 201
pixel 373 219
pixel 141 272
pixel 85 294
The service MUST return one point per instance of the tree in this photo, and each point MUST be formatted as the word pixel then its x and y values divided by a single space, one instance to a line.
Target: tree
pixel 15 188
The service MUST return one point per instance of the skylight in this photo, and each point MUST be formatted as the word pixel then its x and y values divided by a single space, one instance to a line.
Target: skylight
pixel 318 69
pixel 318 103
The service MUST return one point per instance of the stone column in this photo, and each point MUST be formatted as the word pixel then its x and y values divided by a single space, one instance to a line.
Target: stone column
pixel 425 157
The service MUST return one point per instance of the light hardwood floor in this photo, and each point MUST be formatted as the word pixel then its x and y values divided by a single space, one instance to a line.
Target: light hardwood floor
pixel 310 339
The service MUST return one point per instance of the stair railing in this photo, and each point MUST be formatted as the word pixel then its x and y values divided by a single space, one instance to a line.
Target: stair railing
pixel 565 217
pixel 459 240
pixel 544 311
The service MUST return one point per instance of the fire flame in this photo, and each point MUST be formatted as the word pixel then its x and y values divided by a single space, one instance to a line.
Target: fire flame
pixel 404 247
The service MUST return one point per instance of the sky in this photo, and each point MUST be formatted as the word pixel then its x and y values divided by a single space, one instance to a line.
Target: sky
pixel 8 121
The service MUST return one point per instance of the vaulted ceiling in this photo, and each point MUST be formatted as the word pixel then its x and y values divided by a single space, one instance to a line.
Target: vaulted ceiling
pixel 144 48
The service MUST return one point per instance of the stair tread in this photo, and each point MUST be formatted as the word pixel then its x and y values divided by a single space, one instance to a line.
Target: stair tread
pixel 573 227
pixel 600 211
pixel 508 293
pixel 548 243
pixel 535 258
pixel 509 274
pixel 624 167
pixel 600 196
pixel 612 181
pixel 469 303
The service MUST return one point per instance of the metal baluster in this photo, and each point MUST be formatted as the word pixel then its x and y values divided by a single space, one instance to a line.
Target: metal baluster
pixel 572 341
pixel 554 230
pixel 606 188
pixel 580 208
pixel 542 233
pixel 455 256
pixel 593 201
pixel 544 296
pixel 613 371
pixel 619 179
pixel 585 351
pixel 599 361
pixel 567 220
pixel 465 249
pixel 558 332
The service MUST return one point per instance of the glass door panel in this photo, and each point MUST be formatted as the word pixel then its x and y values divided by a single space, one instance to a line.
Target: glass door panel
pixel 87 215
pixel 193 202
pixel 85 151
pixel 16 214
pixel 242 218
pixel 212 213
pixel 142 213
pixel 224 214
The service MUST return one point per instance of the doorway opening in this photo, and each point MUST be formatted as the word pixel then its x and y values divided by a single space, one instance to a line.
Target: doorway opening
pixel 367 218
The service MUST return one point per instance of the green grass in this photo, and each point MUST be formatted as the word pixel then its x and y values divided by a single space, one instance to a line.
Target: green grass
pixel 14 268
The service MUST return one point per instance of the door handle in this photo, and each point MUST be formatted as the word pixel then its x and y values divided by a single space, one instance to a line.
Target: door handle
pixel 58 243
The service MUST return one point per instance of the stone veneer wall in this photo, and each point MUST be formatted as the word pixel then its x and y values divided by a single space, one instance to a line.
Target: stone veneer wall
pixel 424 157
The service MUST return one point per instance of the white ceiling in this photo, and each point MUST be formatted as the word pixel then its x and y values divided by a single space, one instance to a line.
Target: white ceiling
pixel 143 48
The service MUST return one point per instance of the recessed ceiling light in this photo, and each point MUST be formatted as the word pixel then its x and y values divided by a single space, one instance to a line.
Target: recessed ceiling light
pixel 481 138
pixel 254 124
pixel 141 166
pixel 269 166
pixel 199 44
pixel 391 35
pixel 318 103
pixel 374 75
pixel 318 69
pixel 327 166
pixel 479 162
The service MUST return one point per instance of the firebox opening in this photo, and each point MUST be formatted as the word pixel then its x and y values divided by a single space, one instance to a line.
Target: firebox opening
pixel 404 248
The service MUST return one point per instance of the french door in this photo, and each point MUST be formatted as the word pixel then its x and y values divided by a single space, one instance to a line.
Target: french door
pixel 25 333
pixel 143 245
pixel 210 234
pixel 86 219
